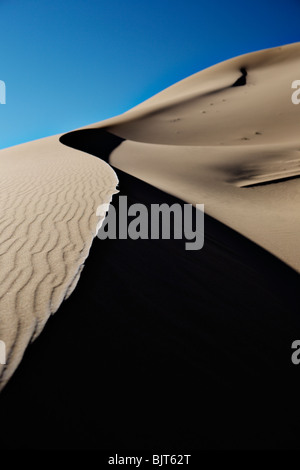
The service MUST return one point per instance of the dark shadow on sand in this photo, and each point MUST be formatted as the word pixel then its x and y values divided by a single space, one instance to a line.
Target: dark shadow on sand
pixel 163 348
pixel 242 81
pixel 97 142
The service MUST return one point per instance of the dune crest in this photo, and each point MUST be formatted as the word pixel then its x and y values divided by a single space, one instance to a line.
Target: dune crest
pixel 227 137
pixel 49 197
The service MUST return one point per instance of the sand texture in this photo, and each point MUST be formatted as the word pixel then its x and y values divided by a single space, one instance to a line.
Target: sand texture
pixel 228 137
pixel 49 196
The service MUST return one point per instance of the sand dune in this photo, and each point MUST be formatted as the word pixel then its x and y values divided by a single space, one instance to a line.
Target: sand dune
pixel 197 340
pixel 48 198
pixel 227 137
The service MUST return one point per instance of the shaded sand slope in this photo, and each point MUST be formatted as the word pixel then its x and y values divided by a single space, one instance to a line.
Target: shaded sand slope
pixel 228 137
pixel 48 198
pixel 185 349
pixel 178 349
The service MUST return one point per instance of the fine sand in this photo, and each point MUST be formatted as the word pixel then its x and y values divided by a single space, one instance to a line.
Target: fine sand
pixel 227 137
pixel 163 348
pixel 49 197
pixel 234 148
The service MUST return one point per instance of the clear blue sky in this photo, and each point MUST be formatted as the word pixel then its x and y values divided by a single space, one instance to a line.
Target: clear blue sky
pixel 69 63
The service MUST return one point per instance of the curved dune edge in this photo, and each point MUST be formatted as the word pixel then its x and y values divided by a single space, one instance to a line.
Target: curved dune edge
pixel 227 137
pixel 49 198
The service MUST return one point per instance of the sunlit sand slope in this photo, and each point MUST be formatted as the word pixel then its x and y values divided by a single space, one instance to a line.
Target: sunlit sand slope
pixel 49 195
pixel 228 137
